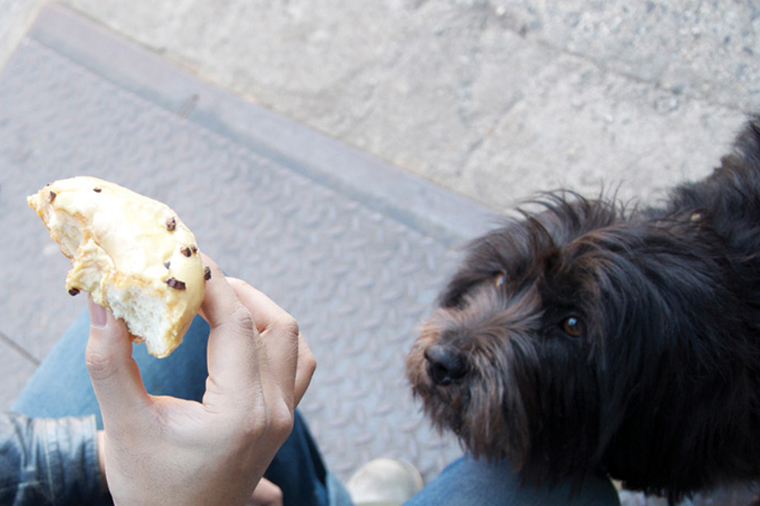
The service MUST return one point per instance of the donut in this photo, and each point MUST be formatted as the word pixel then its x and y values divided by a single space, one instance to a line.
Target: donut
pixel 132 254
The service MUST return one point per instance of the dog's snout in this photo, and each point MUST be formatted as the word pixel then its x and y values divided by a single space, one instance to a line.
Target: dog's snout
pixel 445 364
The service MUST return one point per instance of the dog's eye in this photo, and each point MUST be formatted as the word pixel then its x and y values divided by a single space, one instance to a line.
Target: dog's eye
pixel 572 326
pixel 499 280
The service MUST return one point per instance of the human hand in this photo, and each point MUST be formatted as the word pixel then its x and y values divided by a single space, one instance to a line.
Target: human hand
pixel 163 450
pixel 266 493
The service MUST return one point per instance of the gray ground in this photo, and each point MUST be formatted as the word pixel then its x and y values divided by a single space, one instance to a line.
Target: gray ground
pixel 492 99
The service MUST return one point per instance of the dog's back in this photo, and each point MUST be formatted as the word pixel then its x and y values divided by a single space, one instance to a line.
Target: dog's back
pixel 722 214
pixel 729 200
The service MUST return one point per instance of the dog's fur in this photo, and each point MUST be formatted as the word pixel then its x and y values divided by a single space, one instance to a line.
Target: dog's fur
pixel 587 338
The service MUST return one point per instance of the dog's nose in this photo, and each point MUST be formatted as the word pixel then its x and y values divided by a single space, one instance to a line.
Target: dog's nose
pixel 445 364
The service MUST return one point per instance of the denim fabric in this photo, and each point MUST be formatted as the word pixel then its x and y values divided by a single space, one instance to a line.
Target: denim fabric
pixel 44 461
pixel 469 482
pixel 61 387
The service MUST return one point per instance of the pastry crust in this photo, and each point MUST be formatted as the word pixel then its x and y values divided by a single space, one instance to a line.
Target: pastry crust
pixel 131 253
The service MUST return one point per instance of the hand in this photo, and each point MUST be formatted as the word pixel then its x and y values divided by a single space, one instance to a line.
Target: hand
pixel 163 450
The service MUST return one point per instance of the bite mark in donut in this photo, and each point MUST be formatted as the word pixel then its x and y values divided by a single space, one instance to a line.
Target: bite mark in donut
pixel 121 245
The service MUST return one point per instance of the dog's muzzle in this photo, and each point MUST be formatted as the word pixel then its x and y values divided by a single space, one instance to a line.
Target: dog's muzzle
pixel 445 365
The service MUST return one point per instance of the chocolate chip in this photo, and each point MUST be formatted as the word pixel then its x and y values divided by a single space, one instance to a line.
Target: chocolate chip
pixel 186 251
pixel 168 265
pixel 52 196
pixel 97 190
pixel 207 273
pixel 194 248
pixel 176 284
pixel 73 291
pixel 171 224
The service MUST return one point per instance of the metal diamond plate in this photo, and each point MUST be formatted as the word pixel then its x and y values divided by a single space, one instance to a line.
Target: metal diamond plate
pixel 358 281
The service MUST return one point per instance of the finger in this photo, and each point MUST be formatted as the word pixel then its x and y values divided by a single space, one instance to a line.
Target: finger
pixel 114 374
pixel 307 364
pixel 266 494
pixel 279 333
pixel 220 300
pixel 234 362
pixel 266 313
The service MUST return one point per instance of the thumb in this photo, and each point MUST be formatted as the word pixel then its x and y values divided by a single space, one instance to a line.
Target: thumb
pixel 114 374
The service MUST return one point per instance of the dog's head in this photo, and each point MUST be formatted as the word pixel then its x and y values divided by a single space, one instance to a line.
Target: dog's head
pixel 573 340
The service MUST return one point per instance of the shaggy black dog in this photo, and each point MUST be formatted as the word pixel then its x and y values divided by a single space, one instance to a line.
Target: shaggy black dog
pixel 585 338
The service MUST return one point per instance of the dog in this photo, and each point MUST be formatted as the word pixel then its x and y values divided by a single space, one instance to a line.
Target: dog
pixel 588 337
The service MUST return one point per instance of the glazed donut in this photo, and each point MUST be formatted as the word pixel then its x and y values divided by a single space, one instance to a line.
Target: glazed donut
pixel 131 253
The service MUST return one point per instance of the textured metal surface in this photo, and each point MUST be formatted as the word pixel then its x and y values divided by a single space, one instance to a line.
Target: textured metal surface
pixel 358 280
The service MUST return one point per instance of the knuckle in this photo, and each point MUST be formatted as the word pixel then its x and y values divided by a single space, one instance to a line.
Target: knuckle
pixel 100 365
pixel 273 423
pixel 309 361
pixel 281 423
pixel 241 321
pixel 288 325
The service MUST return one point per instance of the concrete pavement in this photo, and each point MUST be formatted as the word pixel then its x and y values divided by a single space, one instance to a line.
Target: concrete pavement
pixel 493 99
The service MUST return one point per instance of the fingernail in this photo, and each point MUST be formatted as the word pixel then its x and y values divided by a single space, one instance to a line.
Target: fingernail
pixel 98 315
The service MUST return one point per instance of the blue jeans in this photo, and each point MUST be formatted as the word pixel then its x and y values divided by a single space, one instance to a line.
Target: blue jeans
pixel 61 387
pixel 469 482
